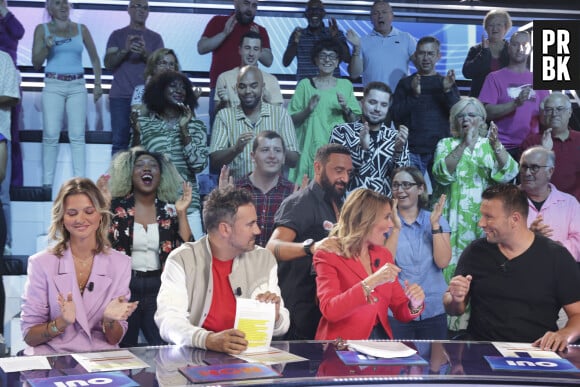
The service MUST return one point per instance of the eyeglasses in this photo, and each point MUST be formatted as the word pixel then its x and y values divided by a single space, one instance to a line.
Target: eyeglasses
pixel 534 168
pixel 557 110
pixel 140 6
pixel 461 116
pixel 405 184
pixel 332 57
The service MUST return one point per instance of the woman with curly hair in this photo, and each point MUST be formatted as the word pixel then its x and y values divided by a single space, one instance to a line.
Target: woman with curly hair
pixel 166 125
pixel 76 294
pixel 320 103
pixel 146 226
pixel 357 286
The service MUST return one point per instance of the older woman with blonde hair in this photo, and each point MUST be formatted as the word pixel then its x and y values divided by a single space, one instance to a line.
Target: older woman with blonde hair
pixel 465 165
pixel 162 59
pixel 492 53
pixel 76 294
pixel 356 287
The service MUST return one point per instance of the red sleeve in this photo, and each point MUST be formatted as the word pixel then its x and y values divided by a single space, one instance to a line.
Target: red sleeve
pixel 337 297
pixel 531 140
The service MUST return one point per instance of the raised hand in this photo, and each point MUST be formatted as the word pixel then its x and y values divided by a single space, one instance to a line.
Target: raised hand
pixel 459 287
pixel 297 34
pixel 365 137
pixel 103 185
pixel 353 38
pixel 415 294
pixel 185 199
pixel 385 274
pixel 333 27
pixel 437 211
pixel 449 80
pixel 225 180
pixel 303 184
pixel 243 140
pixel 313 102
pixel 67 308
pixel 185 115
pixel 484 41
pixel 230 24
pixel 547 141
pixel 416 85
pixel 401 138
pixel 119 309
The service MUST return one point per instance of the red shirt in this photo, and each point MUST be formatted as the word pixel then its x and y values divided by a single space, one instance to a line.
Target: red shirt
pixel 222 312
pixel 226 56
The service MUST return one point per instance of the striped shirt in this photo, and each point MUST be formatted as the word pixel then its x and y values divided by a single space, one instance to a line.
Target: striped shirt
pixel 189 159
pixel 230 123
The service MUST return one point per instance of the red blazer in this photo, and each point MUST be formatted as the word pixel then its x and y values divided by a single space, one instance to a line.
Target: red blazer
pixel 345 311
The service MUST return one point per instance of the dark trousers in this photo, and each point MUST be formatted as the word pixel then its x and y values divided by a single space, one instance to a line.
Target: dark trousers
pixel 433 328
pixel 2 293
pixel 120 123
pixel 144 290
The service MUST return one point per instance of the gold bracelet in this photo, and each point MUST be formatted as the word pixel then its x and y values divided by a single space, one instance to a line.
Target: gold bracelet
pixel 368 293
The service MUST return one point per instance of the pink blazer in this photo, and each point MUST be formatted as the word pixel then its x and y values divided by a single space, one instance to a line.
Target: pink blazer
pixel 49 275
pixel 345 311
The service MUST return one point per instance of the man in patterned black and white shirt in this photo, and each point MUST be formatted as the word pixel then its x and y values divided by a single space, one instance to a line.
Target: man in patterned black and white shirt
pixel 376 149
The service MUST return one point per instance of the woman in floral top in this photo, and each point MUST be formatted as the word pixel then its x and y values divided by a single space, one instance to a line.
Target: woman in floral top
pixel 145 226
pixel 465 165
pixel 167 125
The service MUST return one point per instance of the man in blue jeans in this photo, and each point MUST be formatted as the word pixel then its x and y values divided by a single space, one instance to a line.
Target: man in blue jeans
pixel 127 51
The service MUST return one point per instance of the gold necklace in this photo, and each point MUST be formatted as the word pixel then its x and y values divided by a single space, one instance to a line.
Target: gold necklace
pixel 84 263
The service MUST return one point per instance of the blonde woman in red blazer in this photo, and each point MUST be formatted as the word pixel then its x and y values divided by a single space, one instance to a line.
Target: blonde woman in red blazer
pixel 356 287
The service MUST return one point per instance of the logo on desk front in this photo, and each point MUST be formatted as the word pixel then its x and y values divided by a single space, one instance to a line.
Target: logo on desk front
pixel 556 54
pixel 529 364
pixel 114 379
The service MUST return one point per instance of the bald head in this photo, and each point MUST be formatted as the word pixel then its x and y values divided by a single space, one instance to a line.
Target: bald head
pixel 250 85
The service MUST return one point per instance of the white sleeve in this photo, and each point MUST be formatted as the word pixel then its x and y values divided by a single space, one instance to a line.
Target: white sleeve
pixel 172 316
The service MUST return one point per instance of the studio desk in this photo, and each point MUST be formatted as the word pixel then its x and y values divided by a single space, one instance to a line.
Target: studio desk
pixel 451 363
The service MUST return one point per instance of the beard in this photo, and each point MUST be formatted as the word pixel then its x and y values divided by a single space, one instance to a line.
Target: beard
pixel 244 19
pixel 334 190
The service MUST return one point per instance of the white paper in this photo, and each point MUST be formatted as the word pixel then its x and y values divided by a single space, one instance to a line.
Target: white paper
pixel 270 357
pixel 24 363
pixel 510 349
pixel 109 361
pixel 256 319
pixel 382 349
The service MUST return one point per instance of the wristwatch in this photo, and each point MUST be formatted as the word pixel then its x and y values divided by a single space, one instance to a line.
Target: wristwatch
pixel 307 246
pixel 437 231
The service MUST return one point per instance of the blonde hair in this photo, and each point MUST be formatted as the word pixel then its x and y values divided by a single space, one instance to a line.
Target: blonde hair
pixel 357 218
pixel 121 171
pixel 57 231
pixel 499 14
pixel 155 57
pixel 459 107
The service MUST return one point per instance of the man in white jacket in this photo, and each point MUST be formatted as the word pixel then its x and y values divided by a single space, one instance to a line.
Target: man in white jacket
pixel 196 305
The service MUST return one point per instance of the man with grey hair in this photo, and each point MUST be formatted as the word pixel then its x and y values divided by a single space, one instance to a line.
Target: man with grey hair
pixel 555 114
pixel 552 213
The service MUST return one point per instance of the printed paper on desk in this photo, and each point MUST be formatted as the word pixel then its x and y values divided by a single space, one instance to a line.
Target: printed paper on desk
pixel 384 349
pixel 523 350
pixel 256 319
pixel 109 361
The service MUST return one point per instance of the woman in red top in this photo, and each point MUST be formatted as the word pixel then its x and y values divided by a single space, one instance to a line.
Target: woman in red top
pixel 356 287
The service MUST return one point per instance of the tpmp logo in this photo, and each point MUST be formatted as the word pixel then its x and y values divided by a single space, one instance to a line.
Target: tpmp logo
pixel 556 54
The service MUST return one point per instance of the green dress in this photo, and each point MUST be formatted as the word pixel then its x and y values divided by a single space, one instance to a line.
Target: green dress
pixel 316 129
pixel 475 171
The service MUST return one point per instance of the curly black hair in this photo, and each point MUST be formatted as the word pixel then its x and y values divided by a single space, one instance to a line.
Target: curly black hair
pixel 154 96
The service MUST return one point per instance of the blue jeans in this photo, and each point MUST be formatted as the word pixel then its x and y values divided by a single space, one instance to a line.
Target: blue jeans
pixel 144 290
pixel 433 328
pixel 57 97
pixel 120 123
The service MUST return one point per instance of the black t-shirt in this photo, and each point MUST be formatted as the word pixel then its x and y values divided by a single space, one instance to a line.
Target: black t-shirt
pixel 518 299
pixel 309 213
